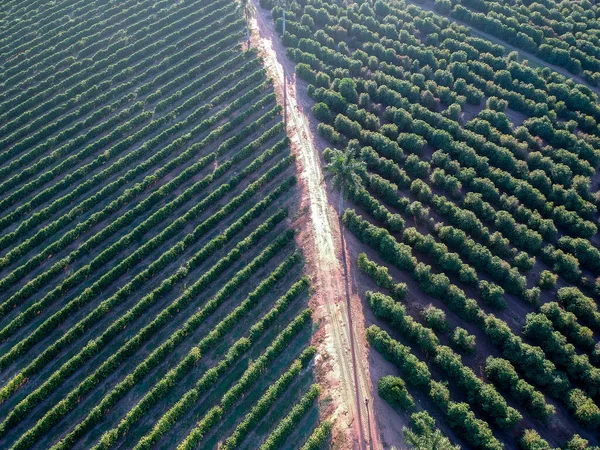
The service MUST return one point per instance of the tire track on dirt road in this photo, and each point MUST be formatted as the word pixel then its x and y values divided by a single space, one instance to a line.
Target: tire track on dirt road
pixel 349 386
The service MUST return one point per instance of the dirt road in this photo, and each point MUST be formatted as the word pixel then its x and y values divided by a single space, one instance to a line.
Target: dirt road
pixel 348 381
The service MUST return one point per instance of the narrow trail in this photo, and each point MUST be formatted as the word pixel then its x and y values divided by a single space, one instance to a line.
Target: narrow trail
pixel 348 380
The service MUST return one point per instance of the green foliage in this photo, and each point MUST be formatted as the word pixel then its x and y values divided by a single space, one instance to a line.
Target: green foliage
pixel 462 340
pixel 381 276
pixel 531 440
pixel 503 374
pixel 259 409
pixel 393 390
pixel 443 6
pixel 435 318
pixel 319 437
pixel 322 112
pixel 414 371
pixel 344 169
pixel 547 280
pixel 584 409
pixel 423 435
pixel 288 423
pixel 347 87
pixel 439 393
pixel 473 430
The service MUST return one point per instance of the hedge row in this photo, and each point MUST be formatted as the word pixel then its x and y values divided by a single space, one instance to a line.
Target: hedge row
pixel 64 135
pixel 215 336
pixel 142 251
pixel 144 42
pixel 381 276
pixel 401 256
pixel 259 409
pixel 478 392
pixel 192 396
pixel 540 330
pixel 121 146
pixel 460 417
pixel 566 322
pixel 530 359
pixel 319 437
pixel 585 308
pixel 287 425
pixel 44 126
pixel 133 344
pixel 35 284
pixel 503 374
pixel 116 327
pixel 37 59
pixel 129 194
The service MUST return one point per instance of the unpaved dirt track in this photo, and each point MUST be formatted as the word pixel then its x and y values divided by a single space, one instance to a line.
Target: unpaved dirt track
pixel 348 379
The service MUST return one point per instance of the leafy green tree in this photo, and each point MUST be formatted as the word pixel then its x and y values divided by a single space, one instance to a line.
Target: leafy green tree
pixel 435 318
pixel 425 436
pixel 439 393
pixel 531 440
pixel 347 87
pixel 393 390
pixel 322 112
pixel 443 7
pixel 577 443
pixel 462 340
pixel 344 168
pixel 547 280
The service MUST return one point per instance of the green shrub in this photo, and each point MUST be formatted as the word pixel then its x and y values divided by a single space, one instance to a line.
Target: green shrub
pixel 435 318
pixel 393 390
pixel 531 440
pixel 322 112
pixel 547 280
pixel 462 340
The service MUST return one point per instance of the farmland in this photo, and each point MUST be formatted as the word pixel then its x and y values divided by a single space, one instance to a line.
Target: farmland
pixel 153 292
pixel 468 179
pixel 408 253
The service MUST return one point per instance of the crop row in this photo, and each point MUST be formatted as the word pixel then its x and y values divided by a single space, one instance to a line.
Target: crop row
pixel 164 317
pixel 116 59
pixel 45 128
pixel 168 381
pixel 279 344
pixel 155 267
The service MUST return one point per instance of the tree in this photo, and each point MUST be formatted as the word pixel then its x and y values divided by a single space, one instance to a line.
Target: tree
pixel 322 112
pixel 393 390
pixel 547 280
pixel 475 431
pixel 435 318
pixel 443 7
pixel 346 126
pixel 531 440
pixel 524 262
pixel 347 88
pixel 344 169
pixel 492 294
pixel 584 409
pixel 462 340
pixel 424 435
pixel 439 393
pixel 577 443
